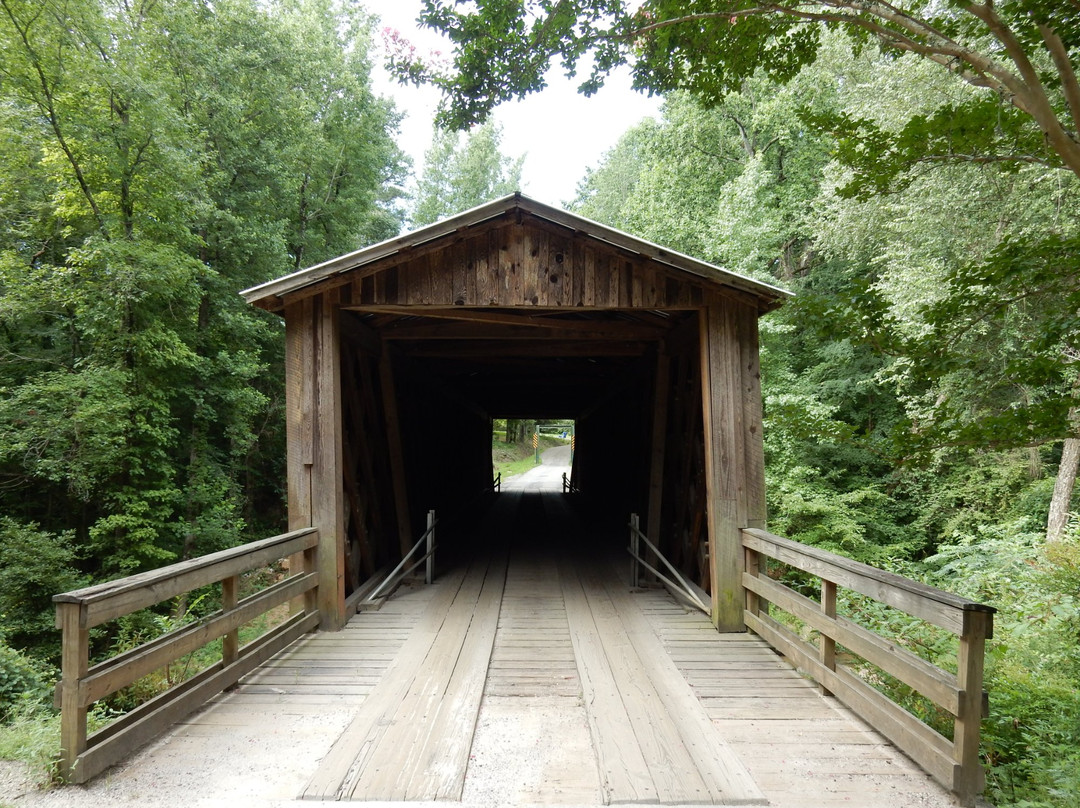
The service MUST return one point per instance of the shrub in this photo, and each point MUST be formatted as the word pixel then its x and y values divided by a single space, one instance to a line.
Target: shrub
pixel 22 682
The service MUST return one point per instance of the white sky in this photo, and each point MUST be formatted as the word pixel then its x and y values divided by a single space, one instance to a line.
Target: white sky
pixel 560 132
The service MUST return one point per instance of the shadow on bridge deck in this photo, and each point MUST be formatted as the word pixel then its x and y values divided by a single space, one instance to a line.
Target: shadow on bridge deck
pixel 528 674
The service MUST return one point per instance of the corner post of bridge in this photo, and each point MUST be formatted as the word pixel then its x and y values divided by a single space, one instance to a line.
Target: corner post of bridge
pixel 635 571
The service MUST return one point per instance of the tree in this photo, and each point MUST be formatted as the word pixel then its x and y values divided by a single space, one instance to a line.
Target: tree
pixel 1018 59
pixel 1024 54
pixel 459 175
pixel 155 158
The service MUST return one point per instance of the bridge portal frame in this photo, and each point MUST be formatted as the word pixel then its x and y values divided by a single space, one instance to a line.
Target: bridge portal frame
pixel 519 281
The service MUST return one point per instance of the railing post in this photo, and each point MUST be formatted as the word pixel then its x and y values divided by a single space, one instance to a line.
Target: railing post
pixel 75 660
pixel 429 569
pixel 969 777
pixel 826 644
pixel 230 643
pixel 755 604
pixel 635 571
pixel 311 567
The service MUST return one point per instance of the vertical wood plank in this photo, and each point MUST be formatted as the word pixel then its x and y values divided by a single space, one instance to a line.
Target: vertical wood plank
pixel 469 262
pixel 533 267
pixel 327 496
pixel 299 354
pixel 441 270
pixel 397 454
pixel 483 253
pixel 724 453
pixel 656 454
pixel 590 268
pixel 613 270
pixel 575 259
pixel 75 653
pixel 827 647
pixel 310 564
pixel 749 350
pixel 230 643
pixel 504 264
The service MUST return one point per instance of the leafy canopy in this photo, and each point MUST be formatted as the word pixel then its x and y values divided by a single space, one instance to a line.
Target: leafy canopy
pixel 1023 53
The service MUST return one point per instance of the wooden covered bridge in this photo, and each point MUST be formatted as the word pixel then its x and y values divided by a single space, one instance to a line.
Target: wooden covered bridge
pixel 398 356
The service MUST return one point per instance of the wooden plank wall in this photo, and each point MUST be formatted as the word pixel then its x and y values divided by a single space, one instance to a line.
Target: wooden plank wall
pixel 538 264
pixel 734 453
pixel 371 518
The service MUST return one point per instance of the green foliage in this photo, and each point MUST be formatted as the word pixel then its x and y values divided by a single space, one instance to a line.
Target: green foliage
pixel 32 737
pixel 34 565
pixel 155 160
pixel 23 683
pixel 1031 738
pixel 503 50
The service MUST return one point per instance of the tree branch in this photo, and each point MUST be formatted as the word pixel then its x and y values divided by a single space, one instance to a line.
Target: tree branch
pixel 1069 84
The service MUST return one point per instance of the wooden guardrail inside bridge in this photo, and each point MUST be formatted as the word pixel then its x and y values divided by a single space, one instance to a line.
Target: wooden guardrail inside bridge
pixel 77 612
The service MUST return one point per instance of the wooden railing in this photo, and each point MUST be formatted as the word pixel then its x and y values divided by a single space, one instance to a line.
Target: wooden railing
pixel 955 764
pixel 77 612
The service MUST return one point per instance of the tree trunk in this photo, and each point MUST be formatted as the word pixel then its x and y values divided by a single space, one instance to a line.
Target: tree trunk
pixel 1063 490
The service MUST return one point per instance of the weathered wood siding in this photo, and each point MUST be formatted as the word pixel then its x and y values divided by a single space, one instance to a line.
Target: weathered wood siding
pixel 534 264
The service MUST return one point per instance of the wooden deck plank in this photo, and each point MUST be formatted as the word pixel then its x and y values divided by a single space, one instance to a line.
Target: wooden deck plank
pixel 441 762
pixel 334 769
pixel 723 774
pixel 624 776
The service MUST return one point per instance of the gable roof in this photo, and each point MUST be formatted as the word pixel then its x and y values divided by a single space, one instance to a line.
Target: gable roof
pixel 269 295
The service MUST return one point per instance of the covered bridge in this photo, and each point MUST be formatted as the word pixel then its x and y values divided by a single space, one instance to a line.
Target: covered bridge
pixel 399 355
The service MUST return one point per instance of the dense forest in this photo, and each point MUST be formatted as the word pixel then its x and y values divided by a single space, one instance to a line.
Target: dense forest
pixel 921 389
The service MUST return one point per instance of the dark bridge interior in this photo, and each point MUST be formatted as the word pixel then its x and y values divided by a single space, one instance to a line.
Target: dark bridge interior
pixel 450 372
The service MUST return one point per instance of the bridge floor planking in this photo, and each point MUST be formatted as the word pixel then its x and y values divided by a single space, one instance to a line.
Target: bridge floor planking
pixel 516 718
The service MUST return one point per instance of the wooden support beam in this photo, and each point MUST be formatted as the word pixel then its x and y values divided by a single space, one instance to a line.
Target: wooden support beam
pixel 722 415
pixel 472 349
pixel 327 494
pixel 299 358
pixel 392 421
pixel 754 446
pixel 661 394
pixel 601 330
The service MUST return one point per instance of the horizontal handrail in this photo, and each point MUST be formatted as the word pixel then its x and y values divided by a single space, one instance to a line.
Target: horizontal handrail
pixel 954 763
pixel 114 599
pixel 78 611
pixel 936 606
